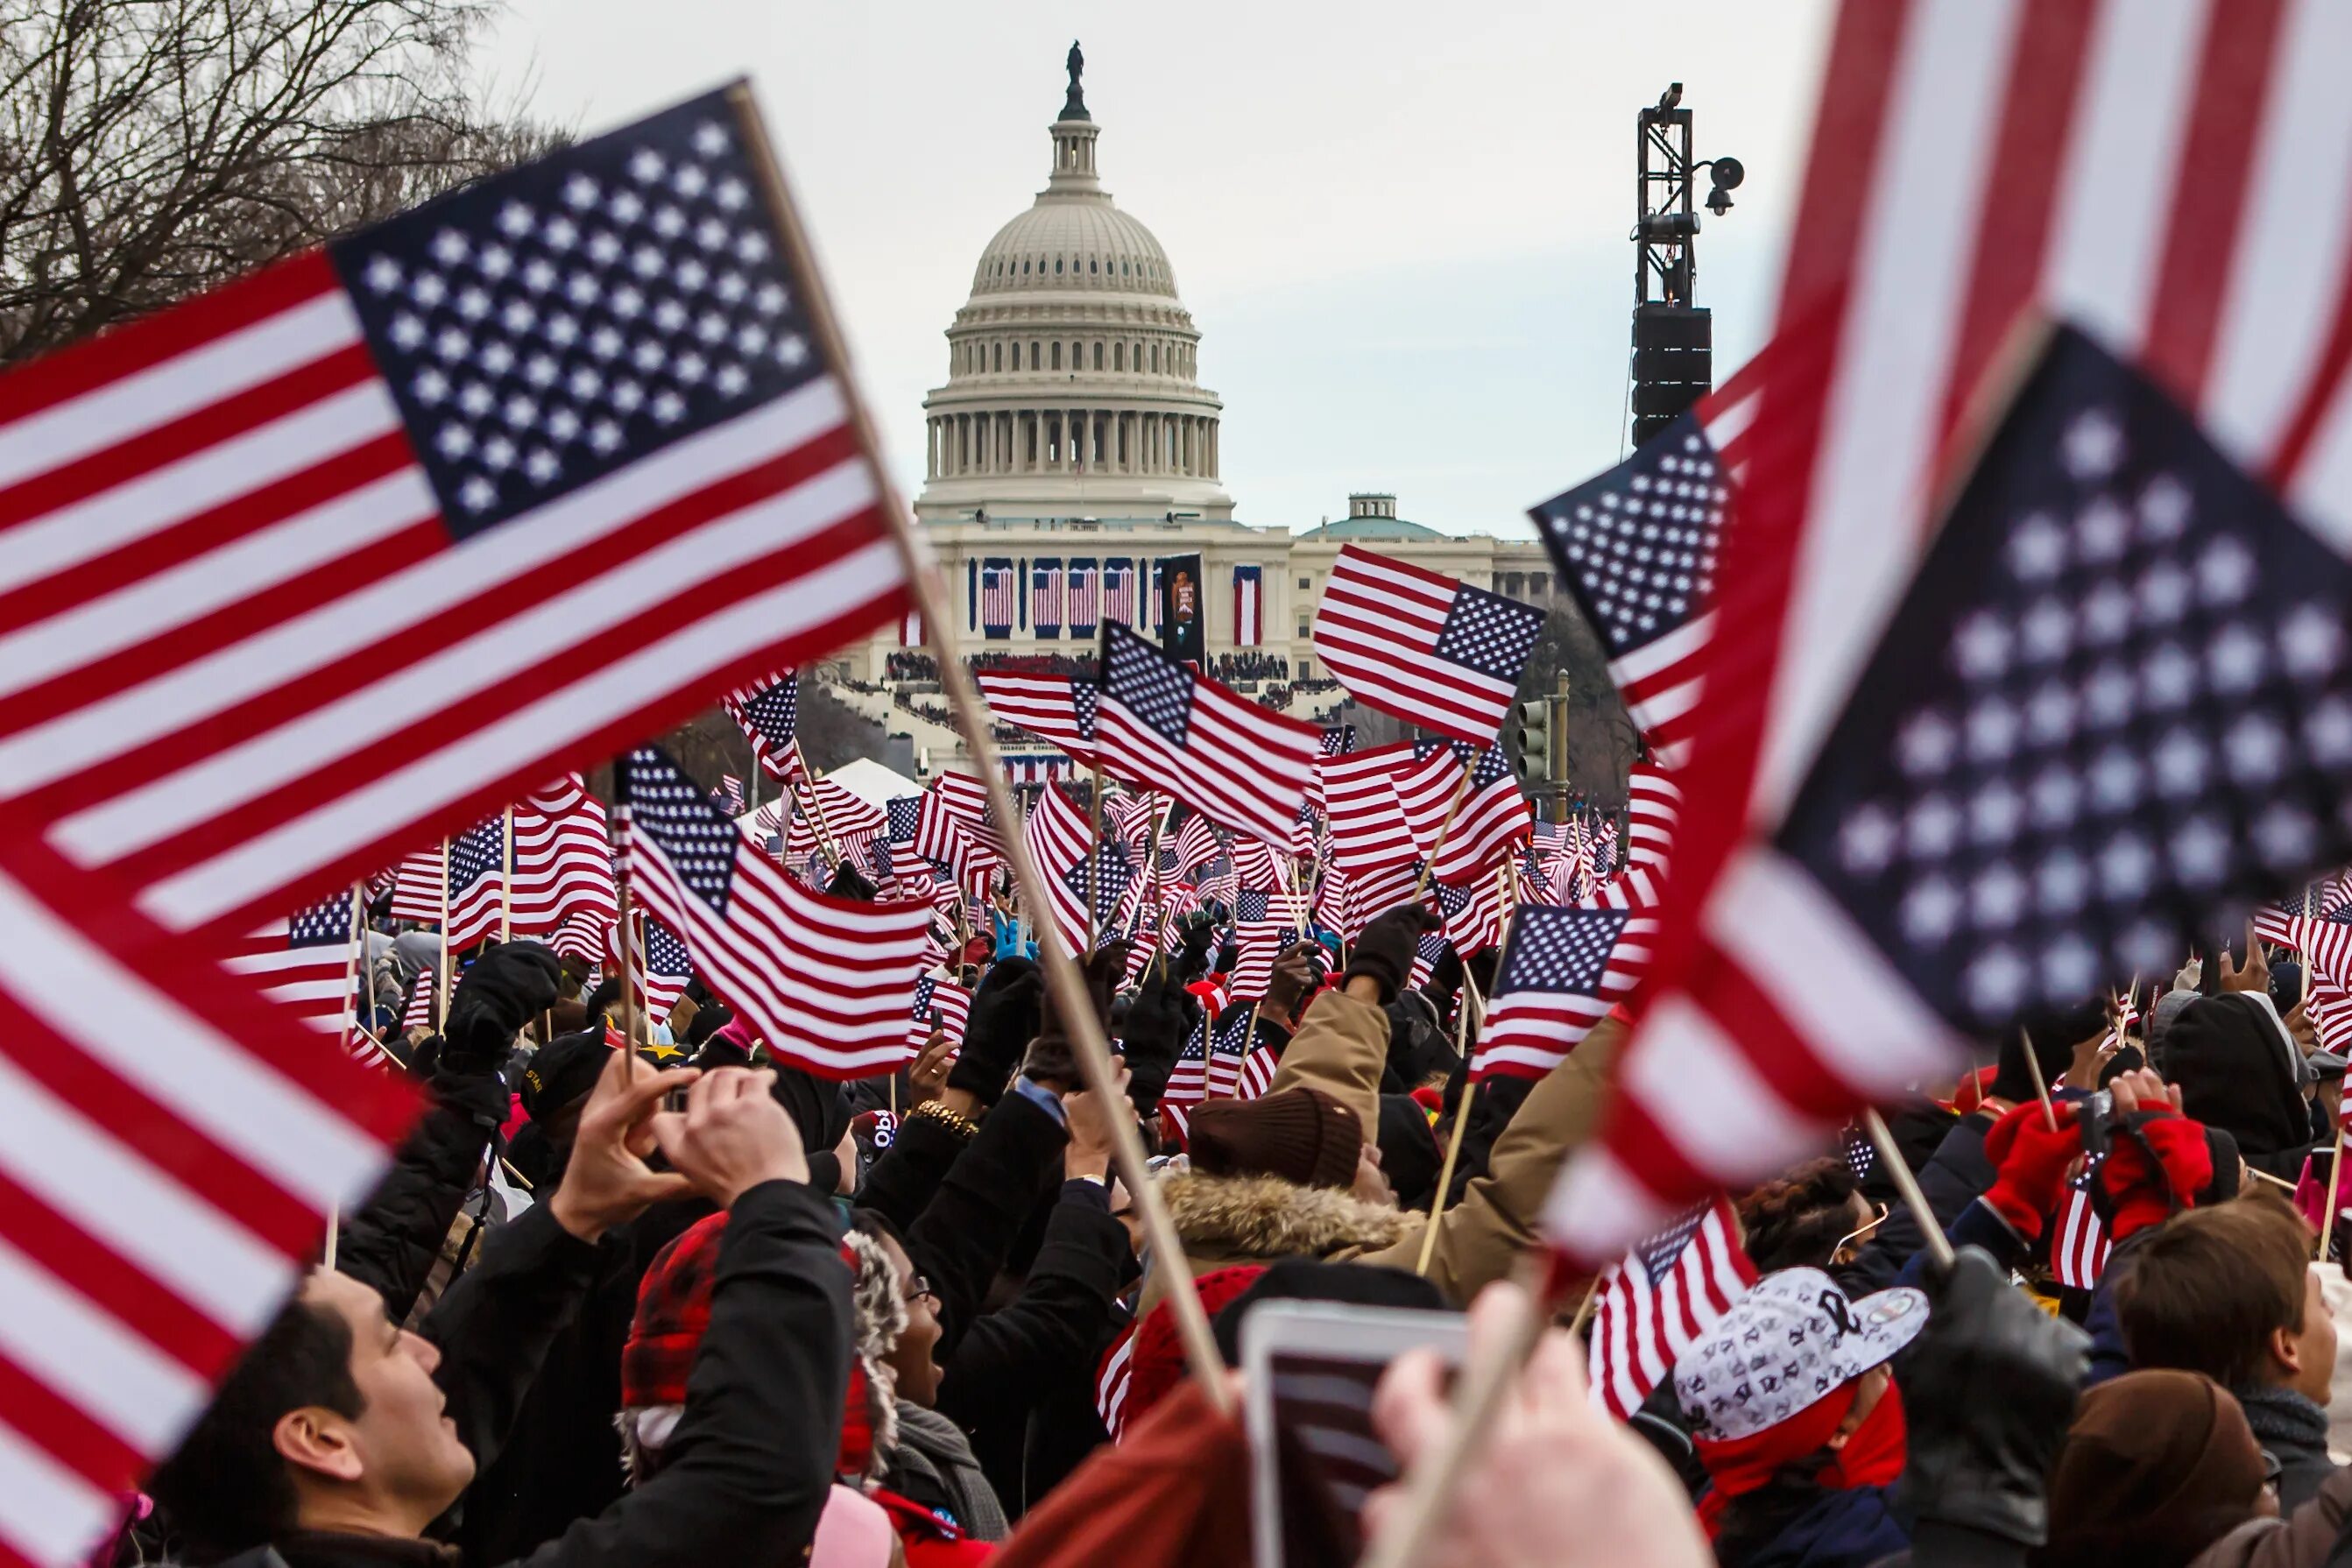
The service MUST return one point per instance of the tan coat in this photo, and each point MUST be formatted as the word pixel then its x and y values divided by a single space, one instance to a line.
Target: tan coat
pixel 1340 1048
pixel 2305 1538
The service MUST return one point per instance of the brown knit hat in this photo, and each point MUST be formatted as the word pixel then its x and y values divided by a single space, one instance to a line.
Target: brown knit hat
pixel 1302 1135
pixel 2163 1455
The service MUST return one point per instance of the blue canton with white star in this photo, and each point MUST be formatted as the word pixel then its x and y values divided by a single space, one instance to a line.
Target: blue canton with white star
pixel 476 853
pixel 774 711
pixel 551 324
pixel 1659 1253
pixel 1638 545
pixel 328 921
pixel 2113 711
pixel 669 808
pixel 1149 684
pixel 1560 950
pixel 1488 633
pixel 906 815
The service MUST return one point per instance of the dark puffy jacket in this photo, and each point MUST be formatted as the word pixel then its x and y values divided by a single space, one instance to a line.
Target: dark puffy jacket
pixel 1853 1529
pixel 392 1243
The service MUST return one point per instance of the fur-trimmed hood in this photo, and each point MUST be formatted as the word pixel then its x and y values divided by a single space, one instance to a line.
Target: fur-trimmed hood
pixel 1230 1218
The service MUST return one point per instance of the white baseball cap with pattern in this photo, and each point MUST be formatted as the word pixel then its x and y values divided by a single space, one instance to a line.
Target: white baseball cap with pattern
pixel 1790 1342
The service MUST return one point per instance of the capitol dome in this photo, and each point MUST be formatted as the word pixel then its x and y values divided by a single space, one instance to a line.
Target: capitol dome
pixel 1072 386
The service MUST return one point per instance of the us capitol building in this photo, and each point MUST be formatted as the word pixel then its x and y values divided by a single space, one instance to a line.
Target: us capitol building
pixel 1073 444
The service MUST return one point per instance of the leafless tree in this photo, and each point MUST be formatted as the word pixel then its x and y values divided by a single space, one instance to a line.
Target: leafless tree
pixel 150 148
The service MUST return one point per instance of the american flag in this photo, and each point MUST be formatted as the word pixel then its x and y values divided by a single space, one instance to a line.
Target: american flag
pixel 1261 930
pixel 1373 893
pixel 1059 835
pixel 998 598
pixel 2305 922
pixel 362 546
pixel 473 866
pixel 1330 908
pixel 769 714
pixel 1427 786
pixel 2329 1006
pixel 827 982
pixel 1118 592
pixel 1427 953
pixel 2079 1244
pixel 1197 844
pixel 176 1146
pixel 1111 1383
pixel 730 796
pixel 835 815
pixel 938 835
pixel 1492 819
pixel 663 970
pixel 1367 823
pixel 1473 915
pixel 583 935
pixel 1668 1291
pixel 1053 708
pixel 1985 831
pixel 1415 643
pixel 1218 881
pixel 304 964
pixel 562 862
pixel 1240 1066
pixel 1160 726
pixel 1562 971
pixel 1969 164
pixel 1085 597
pixel 1638 547
pixel 1137 819
pixel 1652 808
pixel 1188 1081
pixel 419 1014
pixel 941 1002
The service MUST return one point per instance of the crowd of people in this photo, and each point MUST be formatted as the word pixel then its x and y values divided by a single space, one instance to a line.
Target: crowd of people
pixel 1249 664
pixel 739 1312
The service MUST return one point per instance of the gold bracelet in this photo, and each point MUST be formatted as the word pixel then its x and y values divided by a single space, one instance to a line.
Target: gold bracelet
pixel 937 1110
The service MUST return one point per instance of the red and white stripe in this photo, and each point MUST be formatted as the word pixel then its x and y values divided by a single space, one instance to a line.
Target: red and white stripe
pixel 827 982
pixel 2175 178
pixel 1240 765
pixel 1041 704
pixel 998 599
pixel 562 861
pixel 1377 629
pixel 1427 787
pixel 241 656
pixel 174 1146
pixel 1058 833
pixel 312 981
pixel 1492 820
pixel 1369 826
pixel 1641 1324
pixel 1111 1381
pixel 2079 1244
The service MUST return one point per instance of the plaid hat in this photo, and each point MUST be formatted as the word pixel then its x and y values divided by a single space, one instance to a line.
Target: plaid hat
pixel 1303 1135
pixel 561 1071
pixel 1790 1342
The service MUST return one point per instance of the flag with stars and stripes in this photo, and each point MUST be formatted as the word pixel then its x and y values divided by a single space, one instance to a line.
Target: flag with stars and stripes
pixel 1053 708
pixel 1059 835
pixel 1430 781
pixel 1669 1291
pixel 1219 881
pixel 2116 701
pixel 1372 894
pixel 1652 808
pixel 728 796
pixel 1139 818
pixel 1561 972
pixel 470 871
pixel 1240 1064
pixel 1493 818
pixel 941 1004
pixel 663 969
pixel 418 1011
pixel 2329 1007
pixel 1473 915
pixel 769 714
pixel 562 861
pixel 1197 844
pixel 1368 824
pixel 1417 644
pixel 1159 726
pixel 304 964
pixel 1263 926
pixel 1188 1081
pixel 1860 1153
pixel 1638 548
pixel 2078 1242
pixel 827 982
pixel 366 543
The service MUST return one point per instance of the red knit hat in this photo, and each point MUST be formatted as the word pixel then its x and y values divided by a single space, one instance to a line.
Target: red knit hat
pixel 1155 1363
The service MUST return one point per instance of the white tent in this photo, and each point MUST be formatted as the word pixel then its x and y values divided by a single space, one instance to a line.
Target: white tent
pixel 869 780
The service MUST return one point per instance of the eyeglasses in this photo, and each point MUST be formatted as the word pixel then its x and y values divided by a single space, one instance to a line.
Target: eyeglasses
pixel 2271 1469
pixel 917 1286
pixel 1877 1219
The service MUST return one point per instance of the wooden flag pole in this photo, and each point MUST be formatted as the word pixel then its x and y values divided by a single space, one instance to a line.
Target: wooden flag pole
pixel 506 882
pixel 623 936
pixel 1930 1231
pixel 1460 793
pixel 441 990
pixel 2040 1090
pixel 351 973
pixel 2335 1174
pixel 334 1233
pixel 1064 983
pixel 1461 1121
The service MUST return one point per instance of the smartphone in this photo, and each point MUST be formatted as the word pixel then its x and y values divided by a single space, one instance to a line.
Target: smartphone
pixel 1309 1369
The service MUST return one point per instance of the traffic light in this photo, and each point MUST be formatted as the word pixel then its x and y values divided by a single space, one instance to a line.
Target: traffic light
pixel 1531 737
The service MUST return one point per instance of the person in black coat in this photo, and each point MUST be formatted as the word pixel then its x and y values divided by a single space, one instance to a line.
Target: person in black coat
pixel 2237 1070
pixel 328 1446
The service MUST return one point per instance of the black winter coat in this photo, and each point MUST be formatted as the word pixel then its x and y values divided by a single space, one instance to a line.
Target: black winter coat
pixel 392 1243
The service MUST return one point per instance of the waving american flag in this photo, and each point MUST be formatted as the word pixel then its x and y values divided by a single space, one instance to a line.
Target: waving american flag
pixel 1434 652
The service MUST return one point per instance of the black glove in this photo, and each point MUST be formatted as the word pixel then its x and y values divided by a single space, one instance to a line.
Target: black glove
pixel 1052 1058
pixel 507 986
pixel 1158 1021
pixel 1003 1020
pixel 1976 1462
pixel 1384 953
pixel 1193 954
pixel 1444 981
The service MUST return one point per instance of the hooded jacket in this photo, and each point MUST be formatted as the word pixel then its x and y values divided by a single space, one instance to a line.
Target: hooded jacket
pixel 2311 1536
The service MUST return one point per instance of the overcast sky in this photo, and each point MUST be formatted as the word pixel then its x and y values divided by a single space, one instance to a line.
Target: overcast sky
pixel 1401 228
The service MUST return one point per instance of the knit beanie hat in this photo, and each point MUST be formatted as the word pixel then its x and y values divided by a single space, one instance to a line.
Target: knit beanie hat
pixel 1302 1135
pixel 2166 1453
pixel 1154 1351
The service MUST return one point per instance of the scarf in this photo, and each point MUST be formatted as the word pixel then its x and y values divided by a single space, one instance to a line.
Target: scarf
pixel 1872 1455
pixel 933 1448
pixel 2283 1419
